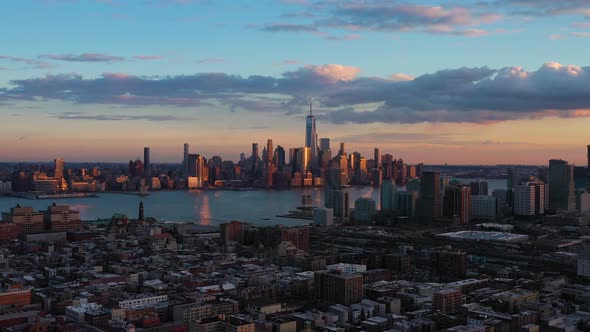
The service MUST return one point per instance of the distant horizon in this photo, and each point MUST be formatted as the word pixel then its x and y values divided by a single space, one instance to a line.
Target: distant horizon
pixel 429 81
pixel 236 161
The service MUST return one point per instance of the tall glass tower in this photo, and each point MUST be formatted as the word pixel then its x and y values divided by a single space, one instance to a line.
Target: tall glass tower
pixel 311 137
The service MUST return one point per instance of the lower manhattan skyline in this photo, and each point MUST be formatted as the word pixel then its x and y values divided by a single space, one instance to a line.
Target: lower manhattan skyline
pixel 508 82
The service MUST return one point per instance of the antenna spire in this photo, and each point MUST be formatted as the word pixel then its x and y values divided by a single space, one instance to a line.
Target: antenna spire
pixel 310 114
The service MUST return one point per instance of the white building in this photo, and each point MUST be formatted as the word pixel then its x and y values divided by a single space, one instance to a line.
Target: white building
pixel 323 216
pixel 194 182
pixel 142 301
pixel 347 268
pixel 484 207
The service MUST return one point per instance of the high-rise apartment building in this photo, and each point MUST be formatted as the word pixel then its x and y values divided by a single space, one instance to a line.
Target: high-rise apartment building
pixel 335 288
pixel 529 199
pixel 457 203
pixel 430 195
pixel 364 210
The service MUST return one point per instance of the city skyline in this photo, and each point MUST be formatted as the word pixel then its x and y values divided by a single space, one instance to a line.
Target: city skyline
pixel 111 91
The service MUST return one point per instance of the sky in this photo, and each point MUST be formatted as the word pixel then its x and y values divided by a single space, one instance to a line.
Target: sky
pixel 458 82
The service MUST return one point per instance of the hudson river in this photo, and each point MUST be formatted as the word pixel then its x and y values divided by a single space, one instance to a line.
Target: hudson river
pixel 206 207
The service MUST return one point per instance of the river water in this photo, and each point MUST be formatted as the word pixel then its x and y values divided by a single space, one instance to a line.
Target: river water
pixel 206 207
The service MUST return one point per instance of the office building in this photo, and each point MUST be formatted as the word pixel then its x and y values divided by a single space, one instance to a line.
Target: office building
pixel 280 158
pixel 60 218
pixel 364 210
pixel 479 187
pixel 387 165
pixel 388 196
pixel 255 156
pixel 59 166
pixel 146 162
pixel 430 195
pixel 561 186
pixel 324 144
pixel 338 201
pixel 26 219
pixel 457 203
pixel 311 138
pixel 269 152
pixel 484 207
pixel 334 288
pixel 323 216
pixel 376 158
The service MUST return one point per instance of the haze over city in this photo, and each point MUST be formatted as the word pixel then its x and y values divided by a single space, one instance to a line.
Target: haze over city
pixel 467 82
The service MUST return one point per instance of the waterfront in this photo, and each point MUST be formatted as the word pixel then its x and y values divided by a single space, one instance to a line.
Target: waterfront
pixel 206 207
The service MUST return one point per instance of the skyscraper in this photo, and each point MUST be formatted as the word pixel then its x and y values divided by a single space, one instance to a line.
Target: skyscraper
pixel 388 196
pixel 430 195
pixel 324 143
pixel 342 151
pixel 255 155
pixel 58 168
pixel 479 187
pixel 269 151
pixel 457 202
pixel 376 159
pixel 561 185
pixel 280 158
pixel 529 199
pixel 185 160
pixel 588 168
pixel 311 137
pixel 146 162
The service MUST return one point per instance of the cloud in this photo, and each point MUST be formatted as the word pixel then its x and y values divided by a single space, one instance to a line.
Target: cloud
pixel 556 36
pixel 580 34
pixel 475 95
pixel 387 16
pixel 148 57
pixel 281 27
pixel 34 63
pixel 84 57
pixel 103 117
pixel 401 77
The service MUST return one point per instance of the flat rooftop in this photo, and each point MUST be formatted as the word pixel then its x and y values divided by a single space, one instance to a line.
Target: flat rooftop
pixel 486 236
